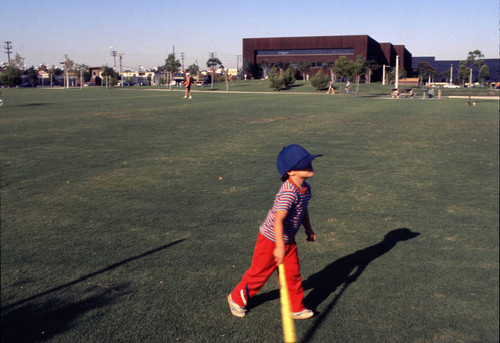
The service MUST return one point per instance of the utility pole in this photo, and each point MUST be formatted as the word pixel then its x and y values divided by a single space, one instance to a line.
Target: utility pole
pixel 8 49
pixel 114 53
pixel 470 86
pixel 121 61
pixel 66 70
pixel 121 67
pixel 238 60
pixel 65 63
pixel 182 59
pixel 397 72
pixel 451 74
pixel 212 56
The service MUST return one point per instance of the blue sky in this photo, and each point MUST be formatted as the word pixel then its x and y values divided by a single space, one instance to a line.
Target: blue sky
pixel 146 30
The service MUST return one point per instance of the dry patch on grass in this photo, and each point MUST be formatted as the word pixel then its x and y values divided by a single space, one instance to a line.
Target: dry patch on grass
pixel 331 239
pixel 121 116
pixel 268 120
pixel 234 189
pixel 279 118
pixel 467 210
pixel 439 295
pixel 467 124
pixel 450 336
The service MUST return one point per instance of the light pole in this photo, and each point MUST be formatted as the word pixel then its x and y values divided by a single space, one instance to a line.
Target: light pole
pixel 451 74
pixel 397 72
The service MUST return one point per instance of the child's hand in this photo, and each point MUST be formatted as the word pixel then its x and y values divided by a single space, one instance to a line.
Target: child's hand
pixel 279 254
pixel 311 236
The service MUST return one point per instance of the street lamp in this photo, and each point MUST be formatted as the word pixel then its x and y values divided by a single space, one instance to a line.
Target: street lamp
pixel 451 74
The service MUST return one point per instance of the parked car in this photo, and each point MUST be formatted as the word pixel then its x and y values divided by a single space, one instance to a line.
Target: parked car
pixel 451 86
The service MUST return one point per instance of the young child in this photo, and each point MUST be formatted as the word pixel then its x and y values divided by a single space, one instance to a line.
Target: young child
pixel 276 239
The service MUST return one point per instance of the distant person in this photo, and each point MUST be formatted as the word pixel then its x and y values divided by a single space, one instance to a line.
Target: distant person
pixel 331 88
pixel 348 87
pixel 187 82
pixel 276 239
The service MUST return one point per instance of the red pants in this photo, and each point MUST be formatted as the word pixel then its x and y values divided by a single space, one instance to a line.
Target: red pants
pixel 263 265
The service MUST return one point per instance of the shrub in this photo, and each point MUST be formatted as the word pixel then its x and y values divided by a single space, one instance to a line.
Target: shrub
pixel 275 80
pixel 319 80
pixel 288 77
pixel 11 77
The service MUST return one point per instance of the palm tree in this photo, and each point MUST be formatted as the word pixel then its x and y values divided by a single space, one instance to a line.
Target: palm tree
pixel 330 66
pixel 358 69
pixel 212 63
pixel 371 66
pixel 172 66
pixel 304 68
pixel 281 66
pixel 341 67
pixel 265 66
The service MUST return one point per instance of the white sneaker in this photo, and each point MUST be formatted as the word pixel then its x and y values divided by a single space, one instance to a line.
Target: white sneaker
pixel 185 97
pixel 304 314
pixel 236 309
pixel 190 97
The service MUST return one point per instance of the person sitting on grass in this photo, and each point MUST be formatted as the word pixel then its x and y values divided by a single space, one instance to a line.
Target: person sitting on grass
pixel 276 239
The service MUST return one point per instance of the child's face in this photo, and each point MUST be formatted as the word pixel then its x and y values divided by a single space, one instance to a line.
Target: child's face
pixel 305 173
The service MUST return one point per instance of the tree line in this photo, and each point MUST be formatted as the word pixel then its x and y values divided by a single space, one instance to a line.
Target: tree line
pixel 474 61
pixel 281 75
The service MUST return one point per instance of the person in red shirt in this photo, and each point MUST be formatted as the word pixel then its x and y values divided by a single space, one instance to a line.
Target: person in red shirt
pixel 187 82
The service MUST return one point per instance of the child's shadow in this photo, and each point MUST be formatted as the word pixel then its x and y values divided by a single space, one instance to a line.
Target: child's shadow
pixel 345 271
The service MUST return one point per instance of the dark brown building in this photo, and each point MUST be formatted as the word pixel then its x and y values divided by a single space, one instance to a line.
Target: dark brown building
pixel 319 50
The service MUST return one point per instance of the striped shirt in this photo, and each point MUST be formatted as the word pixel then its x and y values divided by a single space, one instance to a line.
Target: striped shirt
pixel 291 199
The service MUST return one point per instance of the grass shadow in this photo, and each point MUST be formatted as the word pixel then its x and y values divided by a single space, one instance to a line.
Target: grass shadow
pixel 39 322
pixel 343 272
pixel 88 276
pixel 33 105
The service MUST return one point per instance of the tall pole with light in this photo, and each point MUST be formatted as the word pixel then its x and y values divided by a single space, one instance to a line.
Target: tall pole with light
pixel 451 74
pixel 397 73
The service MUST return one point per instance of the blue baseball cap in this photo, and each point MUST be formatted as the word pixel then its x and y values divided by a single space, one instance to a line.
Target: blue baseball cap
pixel 293 157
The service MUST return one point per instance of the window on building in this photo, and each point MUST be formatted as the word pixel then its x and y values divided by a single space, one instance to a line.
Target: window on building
pixel 295 52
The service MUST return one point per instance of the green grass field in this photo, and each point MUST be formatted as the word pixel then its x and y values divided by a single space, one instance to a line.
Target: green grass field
pixel 128 215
